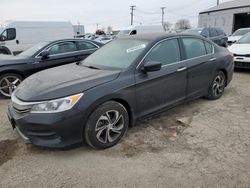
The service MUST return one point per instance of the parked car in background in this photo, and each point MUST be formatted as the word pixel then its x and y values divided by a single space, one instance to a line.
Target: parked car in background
pixel 104 39
pixel 215 34
pixel 237 35
pixel 13 69
pixel 18 36
pixel 90 36
pixel 241 51
pixel 127 79
pixel 140 29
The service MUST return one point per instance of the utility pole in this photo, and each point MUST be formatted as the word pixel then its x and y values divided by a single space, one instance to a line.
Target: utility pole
pixel 218 2
pixel 132 14
pixel 162 15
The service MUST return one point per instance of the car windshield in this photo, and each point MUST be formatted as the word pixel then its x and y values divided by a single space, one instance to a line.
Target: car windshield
pixel 31 51
pixel 241 32
pixel 118 54
pixel 245 39
pixel 123 33
pixel 193 31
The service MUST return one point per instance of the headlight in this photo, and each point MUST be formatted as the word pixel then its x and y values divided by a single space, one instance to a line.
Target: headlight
pixel 56 105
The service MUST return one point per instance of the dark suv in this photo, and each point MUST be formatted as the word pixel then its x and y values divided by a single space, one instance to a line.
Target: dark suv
pixel 215 34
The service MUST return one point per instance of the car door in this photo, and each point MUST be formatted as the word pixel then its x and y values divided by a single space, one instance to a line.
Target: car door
pixel 159 89
pixel 200 60
pixel 59 53
pixel 85 48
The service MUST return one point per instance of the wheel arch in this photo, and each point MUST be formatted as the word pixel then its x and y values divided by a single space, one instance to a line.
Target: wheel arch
pixel 5 49
pixel 12 72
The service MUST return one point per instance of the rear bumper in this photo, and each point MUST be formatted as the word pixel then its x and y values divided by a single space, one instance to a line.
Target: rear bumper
pixel 55 130
pixel 230 71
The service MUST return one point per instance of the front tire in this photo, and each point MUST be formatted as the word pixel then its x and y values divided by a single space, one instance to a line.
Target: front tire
pixel 8 83
pixel 217 86
pixel 106 125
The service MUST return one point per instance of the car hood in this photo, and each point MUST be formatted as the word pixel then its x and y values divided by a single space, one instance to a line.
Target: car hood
pixel 234 38
pixel 10 59
pixel 240 49
pixel 62 81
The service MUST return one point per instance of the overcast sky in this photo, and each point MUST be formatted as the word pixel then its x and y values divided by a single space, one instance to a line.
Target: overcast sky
pixel 115 13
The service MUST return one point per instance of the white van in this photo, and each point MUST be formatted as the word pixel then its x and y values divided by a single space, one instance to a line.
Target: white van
pixel 141 29
pixel 79 30
pixel 18 36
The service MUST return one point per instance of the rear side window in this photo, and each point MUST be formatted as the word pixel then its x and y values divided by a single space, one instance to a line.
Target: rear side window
pixel 63 47
pixel 209 47
pixel 194 47
pixel 213 32
pixel 9 34
pixel 166 52
pixel 82 45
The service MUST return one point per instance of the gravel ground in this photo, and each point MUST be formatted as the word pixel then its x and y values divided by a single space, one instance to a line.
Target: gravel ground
pixel 199 144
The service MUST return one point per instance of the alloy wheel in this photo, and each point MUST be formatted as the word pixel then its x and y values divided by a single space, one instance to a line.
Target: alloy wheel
pixel 218 85
pixel 8 84
pixel 109 126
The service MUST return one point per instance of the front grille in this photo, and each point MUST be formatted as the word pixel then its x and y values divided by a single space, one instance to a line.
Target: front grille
pixel 19 111
pixel 241 55
pixel 241 64
pixel 19 106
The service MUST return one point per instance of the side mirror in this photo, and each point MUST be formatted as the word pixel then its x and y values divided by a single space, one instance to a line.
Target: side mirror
pixel 2 38
pixel 151 66
pixel 44 54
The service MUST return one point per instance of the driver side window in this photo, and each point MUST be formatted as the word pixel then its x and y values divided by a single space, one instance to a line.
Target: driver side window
pixel 63 47
pixel 166 52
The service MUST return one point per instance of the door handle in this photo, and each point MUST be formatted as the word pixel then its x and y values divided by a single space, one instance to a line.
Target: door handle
pixel 181 69
pixel 212 59
pixel 17 41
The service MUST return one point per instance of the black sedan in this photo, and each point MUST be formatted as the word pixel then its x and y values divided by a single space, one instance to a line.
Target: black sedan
pixel 127 79
pixel 13 69
pixel 213 33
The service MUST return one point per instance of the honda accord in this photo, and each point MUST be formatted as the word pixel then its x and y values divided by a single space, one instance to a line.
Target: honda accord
pixel 97 99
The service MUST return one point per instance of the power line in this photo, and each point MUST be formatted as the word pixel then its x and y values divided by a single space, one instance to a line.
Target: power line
pixel 132 13
pixel 146 12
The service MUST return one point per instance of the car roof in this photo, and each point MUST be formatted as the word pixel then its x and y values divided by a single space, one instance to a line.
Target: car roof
pixel 156 36
pixel 70 39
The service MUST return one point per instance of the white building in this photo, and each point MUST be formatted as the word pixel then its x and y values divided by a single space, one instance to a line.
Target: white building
pixel 229 16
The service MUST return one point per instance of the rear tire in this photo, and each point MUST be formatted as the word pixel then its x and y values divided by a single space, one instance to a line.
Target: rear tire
pixel 106 125
pixel 217 86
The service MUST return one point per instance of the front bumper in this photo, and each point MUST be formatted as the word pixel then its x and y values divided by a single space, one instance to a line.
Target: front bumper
pixel 54 130
pixel 242 62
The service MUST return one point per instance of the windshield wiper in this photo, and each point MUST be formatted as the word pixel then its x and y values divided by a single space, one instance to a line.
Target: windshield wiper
pixel 91 67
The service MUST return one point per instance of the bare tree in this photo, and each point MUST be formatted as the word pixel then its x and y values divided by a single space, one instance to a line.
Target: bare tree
pixel 182 24
pixel 109 29
pixel 167 26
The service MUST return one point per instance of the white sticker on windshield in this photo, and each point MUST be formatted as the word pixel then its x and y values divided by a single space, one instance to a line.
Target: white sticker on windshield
pixel 136 48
